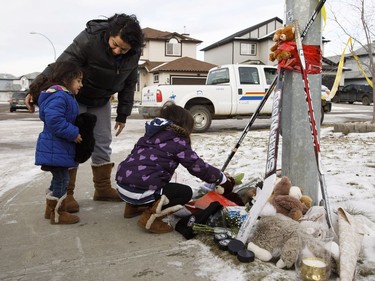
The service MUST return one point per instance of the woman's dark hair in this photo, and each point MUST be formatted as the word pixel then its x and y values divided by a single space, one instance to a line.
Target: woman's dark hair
pixel 128 28
pixel 63 73
pixel 178 115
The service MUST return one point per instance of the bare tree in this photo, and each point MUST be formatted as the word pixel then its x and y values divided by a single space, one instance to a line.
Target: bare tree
pixel 360 25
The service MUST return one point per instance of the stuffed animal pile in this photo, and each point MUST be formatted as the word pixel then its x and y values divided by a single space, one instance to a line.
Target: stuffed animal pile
pixel 289 200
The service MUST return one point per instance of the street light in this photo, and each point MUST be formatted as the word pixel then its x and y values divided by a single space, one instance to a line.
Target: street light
pixel 54 50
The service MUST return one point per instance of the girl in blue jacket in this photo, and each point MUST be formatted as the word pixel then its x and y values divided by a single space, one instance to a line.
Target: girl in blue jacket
pixel 55 148
pixel 143 178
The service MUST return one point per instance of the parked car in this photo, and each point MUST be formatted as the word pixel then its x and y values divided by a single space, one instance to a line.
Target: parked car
pixel 354 93
pixel 17 101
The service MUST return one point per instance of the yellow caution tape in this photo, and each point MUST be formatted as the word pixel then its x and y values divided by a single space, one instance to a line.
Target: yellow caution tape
pixel 341 66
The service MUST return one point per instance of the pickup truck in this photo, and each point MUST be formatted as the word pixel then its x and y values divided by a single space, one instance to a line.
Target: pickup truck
pixel 231 91
pixel 354 93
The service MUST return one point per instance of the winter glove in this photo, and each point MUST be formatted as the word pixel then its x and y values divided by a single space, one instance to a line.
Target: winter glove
pixel 226 187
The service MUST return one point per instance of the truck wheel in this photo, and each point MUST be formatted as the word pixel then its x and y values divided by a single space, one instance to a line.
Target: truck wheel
pixel 321 115
pixel 365 100
pixel 202 118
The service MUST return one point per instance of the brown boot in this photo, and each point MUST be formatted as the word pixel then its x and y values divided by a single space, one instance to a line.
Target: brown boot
pixel 58 213
pixel 102 183
pixel 70 203
pixel 132 211
pixel 47 212
pixel 151 218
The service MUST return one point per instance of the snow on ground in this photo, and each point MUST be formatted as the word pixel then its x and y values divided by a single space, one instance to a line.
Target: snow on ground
pixel 348 160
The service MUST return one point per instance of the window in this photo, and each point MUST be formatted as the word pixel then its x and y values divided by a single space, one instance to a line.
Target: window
pixel 173 47
pixel 249 75
pixel 218 76
pixel 156 78
pixel 248 49
pixel 270 74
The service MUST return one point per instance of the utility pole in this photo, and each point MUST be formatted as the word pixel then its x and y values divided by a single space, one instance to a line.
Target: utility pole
pixel 298 158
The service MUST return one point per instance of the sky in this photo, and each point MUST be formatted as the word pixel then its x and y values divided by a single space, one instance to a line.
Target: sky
pixel 60 21
pixel 348 164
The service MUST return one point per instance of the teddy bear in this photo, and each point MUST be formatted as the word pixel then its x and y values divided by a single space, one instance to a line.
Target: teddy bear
pixel 85 123
pixel 288 199
pixel 279 51
pixel 279 237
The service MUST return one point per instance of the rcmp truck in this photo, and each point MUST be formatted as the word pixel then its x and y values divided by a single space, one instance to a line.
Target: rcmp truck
pixel 231 91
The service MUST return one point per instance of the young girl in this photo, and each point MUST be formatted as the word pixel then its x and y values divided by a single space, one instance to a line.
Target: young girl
pixel 55 148
pixel 144 176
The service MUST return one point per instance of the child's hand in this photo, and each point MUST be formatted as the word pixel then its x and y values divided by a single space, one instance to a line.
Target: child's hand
pixel 78 139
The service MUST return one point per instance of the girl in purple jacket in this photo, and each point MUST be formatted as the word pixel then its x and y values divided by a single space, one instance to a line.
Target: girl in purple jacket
pixel 143 178
pixel 55 148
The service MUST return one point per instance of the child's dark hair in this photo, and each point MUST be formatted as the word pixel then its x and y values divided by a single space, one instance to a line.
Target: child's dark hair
pixel 178 115
pixel 63 73
pixel 129 30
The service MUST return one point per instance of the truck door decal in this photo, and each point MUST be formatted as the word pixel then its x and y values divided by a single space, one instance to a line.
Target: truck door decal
pixel 252 96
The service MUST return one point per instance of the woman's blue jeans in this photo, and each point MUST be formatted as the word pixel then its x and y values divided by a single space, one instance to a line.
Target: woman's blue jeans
pixel 59 182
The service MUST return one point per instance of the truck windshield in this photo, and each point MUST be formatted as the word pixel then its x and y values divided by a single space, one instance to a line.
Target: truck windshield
pixel 218 76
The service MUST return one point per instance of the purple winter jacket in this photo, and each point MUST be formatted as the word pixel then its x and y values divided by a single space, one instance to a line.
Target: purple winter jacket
pixel 156 155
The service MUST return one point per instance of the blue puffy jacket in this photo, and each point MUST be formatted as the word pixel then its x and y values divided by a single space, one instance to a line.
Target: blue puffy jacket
pixel 58 110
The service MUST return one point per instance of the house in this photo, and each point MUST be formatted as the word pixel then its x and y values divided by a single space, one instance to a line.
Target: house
pixel 10 83
pixel 170 58
pixel 251 45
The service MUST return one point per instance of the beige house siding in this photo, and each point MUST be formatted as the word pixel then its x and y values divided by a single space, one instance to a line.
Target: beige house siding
pixel 228 50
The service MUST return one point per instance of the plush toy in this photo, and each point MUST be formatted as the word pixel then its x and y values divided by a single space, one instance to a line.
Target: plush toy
pixel 278 237
pixel 288 200
pixel 281 36
pixel 86 123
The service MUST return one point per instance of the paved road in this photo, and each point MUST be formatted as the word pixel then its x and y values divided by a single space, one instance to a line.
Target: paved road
pixel 340 113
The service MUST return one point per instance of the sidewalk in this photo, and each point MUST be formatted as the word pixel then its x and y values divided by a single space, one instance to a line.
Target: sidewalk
pixel 102 246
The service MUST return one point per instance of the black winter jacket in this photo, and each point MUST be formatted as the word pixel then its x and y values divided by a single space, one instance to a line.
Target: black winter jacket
pixel 102 75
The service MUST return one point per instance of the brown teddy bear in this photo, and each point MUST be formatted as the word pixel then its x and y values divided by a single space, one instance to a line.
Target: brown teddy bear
pixel 279 50
pixel 288 200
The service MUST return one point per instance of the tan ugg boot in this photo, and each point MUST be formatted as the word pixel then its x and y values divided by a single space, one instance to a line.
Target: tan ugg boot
pixel 70 203
pixel 102 183
pixel 58 213
pixel 132 211
pixel 151 218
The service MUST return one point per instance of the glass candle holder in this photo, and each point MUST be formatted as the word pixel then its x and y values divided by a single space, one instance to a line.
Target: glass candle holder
pixel 314 257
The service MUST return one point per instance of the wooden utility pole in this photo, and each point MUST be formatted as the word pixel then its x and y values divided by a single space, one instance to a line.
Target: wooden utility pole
pixel 298 158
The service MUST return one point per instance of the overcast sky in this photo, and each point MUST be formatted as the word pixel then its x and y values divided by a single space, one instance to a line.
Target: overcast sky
pixel 208 21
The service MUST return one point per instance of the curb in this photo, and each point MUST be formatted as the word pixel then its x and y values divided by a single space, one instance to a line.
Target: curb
pixel 354 127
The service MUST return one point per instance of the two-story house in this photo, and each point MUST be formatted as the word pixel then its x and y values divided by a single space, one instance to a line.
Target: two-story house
pixel 170 58
pixel 251 45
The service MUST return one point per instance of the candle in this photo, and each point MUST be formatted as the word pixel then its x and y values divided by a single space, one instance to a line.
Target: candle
pixel 313 269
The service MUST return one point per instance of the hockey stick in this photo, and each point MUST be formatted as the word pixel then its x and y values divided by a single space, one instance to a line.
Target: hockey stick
pixel 210 187
pixel 314 132
pixel 273 84
pixel 271 162
pixel 250 123
pixel 270 176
